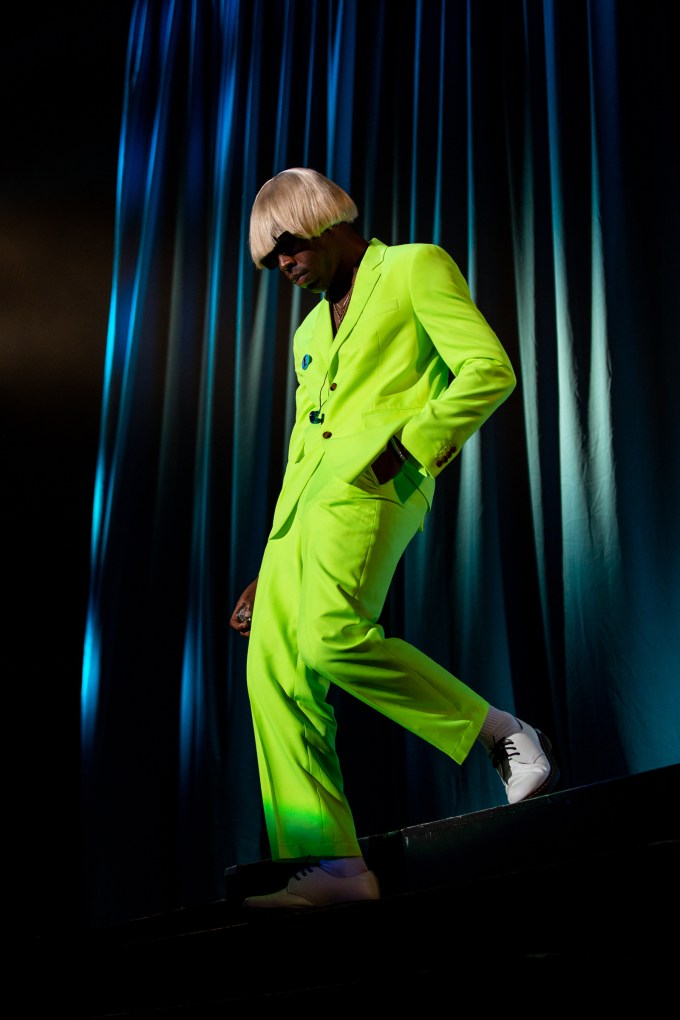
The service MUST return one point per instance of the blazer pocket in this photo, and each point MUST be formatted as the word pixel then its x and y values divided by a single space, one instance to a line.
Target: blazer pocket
pixel 374 311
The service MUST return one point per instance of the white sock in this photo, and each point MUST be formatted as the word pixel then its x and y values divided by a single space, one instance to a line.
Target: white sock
pixel 344 867
pixel 496 727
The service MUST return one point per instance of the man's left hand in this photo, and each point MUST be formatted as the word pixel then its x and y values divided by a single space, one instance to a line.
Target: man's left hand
pixel 388 465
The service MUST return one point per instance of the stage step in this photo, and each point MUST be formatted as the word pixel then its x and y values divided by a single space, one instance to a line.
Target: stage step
pixel 572 894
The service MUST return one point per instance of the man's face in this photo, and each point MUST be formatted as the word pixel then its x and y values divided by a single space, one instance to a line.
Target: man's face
pixel 309 263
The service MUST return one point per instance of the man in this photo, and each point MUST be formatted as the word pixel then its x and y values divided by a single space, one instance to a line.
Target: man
pixel 396 369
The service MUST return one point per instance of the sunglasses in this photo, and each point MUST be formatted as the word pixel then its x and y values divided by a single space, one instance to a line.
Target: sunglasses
pixel 286 244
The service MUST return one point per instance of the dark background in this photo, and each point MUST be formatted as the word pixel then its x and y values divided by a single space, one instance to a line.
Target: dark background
pixel 62 74
pixel 62 82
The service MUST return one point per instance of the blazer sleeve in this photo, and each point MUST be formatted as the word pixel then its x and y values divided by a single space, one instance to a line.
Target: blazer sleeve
pixel 482 376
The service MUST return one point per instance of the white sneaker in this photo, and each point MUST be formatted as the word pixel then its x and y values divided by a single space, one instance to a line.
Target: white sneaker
pixel 313 887
pixel 525 763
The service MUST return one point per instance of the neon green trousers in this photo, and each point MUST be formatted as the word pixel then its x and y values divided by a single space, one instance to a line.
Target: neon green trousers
pixel 321 588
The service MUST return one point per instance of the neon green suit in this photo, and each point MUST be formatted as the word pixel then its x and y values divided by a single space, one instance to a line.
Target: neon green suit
pixel 414 358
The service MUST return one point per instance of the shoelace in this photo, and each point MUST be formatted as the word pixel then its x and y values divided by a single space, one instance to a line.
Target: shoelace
pixel 503 751
pixel 307 870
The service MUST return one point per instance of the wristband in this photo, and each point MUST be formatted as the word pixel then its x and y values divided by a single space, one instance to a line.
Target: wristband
pixel 397 449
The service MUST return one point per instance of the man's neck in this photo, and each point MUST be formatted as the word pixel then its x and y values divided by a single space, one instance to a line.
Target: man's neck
pixel 352 247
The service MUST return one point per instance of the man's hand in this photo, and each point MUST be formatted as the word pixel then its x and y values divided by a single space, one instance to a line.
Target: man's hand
pixel 388 464
pixel 243 612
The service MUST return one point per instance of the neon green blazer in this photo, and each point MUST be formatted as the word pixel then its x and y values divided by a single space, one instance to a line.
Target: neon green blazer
pixel 413 357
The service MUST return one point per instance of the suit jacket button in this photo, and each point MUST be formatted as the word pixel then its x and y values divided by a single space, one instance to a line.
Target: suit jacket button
pixel 327 435
pixel 333 386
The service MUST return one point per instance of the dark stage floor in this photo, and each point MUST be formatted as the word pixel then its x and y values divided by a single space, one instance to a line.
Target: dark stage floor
pixel 567 900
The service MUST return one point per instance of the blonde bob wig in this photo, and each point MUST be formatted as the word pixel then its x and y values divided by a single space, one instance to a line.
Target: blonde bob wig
pixel 298 201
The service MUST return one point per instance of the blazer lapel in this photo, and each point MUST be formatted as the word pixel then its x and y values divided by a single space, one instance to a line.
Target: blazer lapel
pixel 320 346
pixel 366 279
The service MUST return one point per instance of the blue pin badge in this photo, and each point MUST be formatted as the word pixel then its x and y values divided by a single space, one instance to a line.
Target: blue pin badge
pixel 306 361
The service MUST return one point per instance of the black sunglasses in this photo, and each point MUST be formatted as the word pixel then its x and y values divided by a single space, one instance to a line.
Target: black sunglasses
pixel 284 244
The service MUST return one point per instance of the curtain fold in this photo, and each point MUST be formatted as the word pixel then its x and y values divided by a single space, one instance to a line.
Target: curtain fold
pixel 537 142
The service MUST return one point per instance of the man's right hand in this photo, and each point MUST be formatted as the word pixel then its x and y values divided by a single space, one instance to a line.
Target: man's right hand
pixel 242 616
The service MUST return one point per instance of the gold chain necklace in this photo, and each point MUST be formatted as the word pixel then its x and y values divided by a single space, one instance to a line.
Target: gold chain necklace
pixel 340 308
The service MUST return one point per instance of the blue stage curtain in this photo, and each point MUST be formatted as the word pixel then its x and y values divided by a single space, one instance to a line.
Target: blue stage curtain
pixel 537 142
